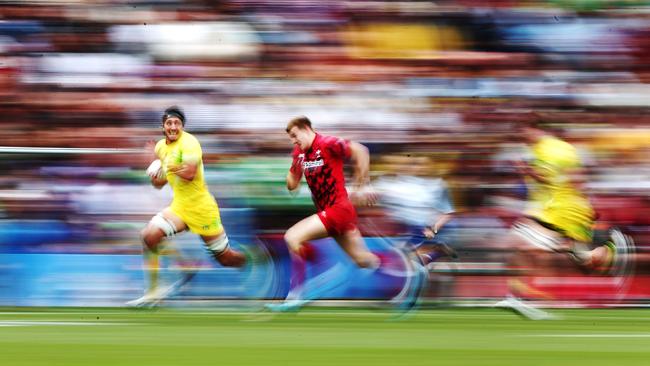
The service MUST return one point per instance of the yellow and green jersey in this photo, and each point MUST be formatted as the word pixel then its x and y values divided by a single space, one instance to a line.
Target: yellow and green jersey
pixel 192 201
pixel 557 201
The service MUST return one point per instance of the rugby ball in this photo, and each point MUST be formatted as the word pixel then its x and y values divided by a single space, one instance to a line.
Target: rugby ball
pixel 155 169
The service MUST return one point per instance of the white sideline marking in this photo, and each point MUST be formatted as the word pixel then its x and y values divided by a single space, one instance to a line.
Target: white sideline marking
pixel 30 323
pixel 612 335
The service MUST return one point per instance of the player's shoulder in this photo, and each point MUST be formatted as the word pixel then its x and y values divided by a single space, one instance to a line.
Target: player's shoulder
pixel 559 146
pixel 558 152
pixel 189 137
pixel 329 138
pixel 159 145
pixel 332 141
pixel 554 143
pixel 189 140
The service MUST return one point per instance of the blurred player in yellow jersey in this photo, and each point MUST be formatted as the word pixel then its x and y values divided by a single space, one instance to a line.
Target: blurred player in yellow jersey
pixel 179 162
pixel 559 217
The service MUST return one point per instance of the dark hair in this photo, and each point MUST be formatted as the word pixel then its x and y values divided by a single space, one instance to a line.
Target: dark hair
pixel 301 122
pixel 174 111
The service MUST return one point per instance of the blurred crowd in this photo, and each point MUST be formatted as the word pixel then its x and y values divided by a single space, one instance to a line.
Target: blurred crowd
pixel 83 85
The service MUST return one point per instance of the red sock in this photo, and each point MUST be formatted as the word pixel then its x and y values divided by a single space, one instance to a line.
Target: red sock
pixel 307 252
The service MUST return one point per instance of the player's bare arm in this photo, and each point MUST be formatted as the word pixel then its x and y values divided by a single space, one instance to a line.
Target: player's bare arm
pixel 150 150
pixel 361 159
pixel 155 170
pixel 294 175
pixel 293 181
pixel 185 170
pixel 156 174
pixel 431 230
pixel 363 195
pixel 533 172
pixel 158 182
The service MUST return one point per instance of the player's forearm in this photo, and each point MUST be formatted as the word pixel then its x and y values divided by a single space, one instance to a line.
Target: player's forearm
pixel 533 174
pixel 440 223
pixel 361 158
pixel 292 181
pixel 538 177
pixel 185 171
pixel 156 174
pixel 158 183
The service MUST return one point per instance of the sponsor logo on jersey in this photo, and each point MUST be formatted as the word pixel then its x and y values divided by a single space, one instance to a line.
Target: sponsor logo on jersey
pixel 313 164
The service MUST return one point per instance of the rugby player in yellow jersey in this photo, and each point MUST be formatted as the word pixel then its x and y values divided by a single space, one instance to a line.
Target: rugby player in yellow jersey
pixel 193 207
pixel 559 217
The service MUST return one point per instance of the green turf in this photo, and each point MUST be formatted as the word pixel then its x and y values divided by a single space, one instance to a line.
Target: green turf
pixel 322 337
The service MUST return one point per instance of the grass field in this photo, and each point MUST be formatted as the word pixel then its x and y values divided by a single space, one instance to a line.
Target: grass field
pixel 318 336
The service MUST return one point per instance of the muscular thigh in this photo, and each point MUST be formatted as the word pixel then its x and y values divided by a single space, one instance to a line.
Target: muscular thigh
pixel 352 243
pixel 532 236
pixel 170 222
pixel 171 216
pixel 309 228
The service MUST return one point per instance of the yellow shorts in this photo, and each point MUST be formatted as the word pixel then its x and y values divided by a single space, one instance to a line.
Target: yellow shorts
pixel 574 221
pixel 201 218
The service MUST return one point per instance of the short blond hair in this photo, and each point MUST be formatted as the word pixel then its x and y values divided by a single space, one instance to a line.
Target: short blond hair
pixel 301 122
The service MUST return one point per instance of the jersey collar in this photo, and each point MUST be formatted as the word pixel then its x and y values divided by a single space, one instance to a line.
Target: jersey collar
pixel 314 143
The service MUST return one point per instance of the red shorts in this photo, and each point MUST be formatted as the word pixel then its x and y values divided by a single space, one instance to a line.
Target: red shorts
pixel 340 218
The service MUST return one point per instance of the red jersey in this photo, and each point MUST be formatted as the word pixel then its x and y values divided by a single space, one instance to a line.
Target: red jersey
pixel 322 165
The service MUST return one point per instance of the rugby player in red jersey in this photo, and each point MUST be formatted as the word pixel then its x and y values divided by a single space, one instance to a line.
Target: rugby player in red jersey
pixel 321 159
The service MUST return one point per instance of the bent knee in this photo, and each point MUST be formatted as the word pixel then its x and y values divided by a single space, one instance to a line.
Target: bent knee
pixel 151 237
pixel 293 241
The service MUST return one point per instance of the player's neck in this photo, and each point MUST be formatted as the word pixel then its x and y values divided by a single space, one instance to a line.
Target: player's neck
pixel 311 142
